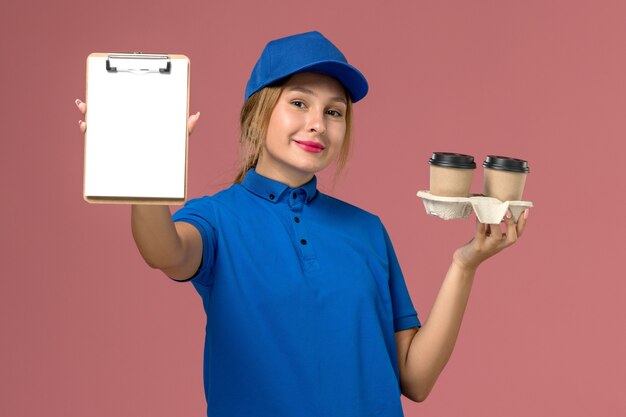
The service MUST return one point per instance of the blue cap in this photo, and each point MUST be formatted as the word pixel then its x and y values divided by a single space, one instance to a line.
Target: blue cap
pixel 305 52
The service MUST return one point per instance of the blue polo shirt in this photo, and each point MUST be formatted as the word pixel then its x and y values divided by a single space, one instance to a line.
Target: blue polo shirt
pixel 303 294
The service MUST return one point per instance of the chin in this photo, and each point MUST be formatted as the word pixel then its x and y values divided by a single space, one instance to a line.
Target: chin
pixel 312 169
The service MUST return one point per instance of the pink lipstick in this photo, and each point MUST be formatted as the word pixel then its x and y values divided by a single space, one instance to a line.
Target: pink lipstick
pixel 310 146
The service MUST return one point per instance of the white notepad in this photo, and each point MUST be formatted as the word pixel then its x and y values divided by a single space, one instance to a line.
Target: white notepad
pixel 136 138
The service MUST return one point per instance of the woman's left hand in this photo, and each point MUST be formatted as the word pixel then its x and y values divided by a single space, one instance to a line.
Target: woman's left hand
pixel 489 240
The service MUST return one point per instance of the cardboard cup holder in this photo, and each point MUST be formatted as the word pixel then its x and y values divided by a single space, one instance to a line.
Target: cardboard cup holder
pixel 488 209
pixel 446 207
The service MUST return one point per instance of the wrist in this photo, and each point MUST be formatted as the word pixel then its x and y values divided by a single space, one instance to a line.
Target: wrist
pixel 465 265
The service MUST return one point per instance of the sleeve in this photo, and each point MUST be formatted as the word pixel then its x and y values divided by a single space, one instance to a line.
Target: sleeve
pixel 199 213
pixel 404 314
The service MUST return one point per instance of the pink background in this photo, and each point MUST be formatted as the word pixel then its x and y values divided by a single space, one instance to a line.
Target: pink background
pixel 88 329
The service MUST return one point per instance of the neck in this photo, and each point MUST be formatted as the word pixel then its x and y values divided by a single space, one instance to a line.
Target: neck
pixel 292 178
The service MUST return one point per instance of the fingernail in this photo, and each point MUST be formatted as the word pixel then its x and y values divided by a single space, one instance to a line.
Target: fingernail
pixel 508 214
pixel 77 102
pixel 198 114
pixel 526 213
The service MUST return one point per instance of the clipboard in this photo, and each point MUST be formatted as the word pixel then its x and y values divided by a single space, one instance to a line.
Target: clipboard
pixel 136 137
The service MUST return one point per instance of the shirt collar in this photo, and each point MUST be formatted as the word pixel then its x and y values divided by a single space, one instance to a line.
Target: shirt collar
pixel 273 190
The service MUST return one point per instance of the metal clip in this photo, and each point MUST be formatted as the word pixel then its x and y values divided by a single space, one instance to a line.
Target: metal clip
pixel 138 62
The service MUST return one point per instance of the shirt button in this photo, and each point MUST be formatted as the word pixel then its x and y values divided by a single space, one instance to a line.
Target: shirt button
pixel 303 241
pixel 294 195
pixel 272 196
pixel 296 219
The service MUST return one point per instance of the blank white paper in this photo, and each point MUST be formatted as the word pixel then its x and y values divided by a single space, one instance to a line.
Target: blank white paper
pixel 136 139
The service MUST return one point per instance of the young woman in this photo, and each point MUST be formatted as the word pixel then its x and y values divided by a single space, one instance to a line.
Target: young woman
pixel 308 313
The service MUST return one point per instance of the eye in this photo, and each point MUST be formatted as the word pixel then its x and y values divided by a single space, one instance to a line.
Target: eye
pixel 334 113
pixel 298 103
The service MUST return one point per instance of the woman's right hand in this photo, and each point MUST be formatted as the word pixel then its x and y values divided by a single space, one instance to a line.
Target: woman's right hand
pixel 82 107
pixel 174 248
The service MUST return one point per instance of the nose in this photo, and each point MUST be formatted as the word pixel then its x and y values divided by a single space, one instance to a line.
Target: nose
pixel 316 122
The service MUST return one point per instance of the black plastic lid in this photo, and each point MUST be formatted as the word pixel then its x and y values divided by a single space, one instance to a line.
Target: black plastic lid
pixel 452 160
pixel 506 163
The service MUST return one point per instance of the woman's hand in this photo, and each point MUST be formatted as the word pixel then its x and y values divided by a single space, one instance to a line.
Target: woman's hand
pixel 82 107
pixel 489 240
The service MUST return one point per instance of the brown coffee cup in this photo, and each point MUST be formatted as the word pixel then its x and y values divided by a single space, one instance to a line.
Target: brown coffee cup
pixel 451 174
pixel 504 177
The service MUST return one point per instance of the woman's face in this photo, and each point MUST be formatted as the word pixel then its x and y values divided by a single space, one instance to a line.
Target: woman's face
pixel 306 129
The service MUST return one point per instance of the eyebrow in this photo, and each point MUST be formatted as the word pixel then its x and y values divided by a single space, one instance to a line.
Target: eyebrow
pixel 311 92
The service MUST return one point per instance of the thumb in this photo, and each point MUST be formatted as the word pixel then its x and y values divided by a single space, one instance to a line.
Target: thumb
pixel 191 123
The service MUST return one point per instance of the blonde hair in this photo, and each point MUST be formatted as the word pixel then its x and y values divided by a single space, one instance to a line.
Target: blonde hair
pixel 254 120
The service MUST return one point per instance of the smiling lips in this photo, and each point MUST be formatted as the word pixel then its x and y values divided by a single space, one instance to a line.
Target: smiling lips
pixel 310 146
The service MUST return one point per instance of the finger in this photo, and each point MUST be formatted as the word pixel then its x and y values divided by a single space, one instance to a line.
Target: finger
pixel 82 125
pixel 521 222
pixel 511 232
pixel 481 231
pixel 81 106
pixel 191 123
pixel 495 232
